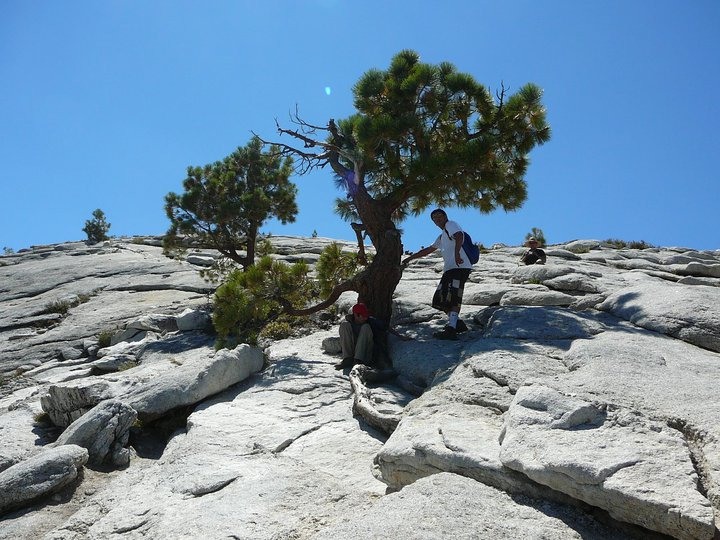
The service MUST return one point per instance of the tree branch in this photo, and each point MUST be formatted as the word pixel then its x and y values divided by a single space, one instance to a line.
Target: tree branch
pixel 345 286
pixel 363 404
pixel 331 151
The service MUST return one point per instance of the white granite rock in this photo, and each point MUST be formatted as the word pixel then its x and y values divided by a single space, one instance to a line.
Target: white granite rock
pixel 103 431
pixel 43 474
pixel 280 455
pixel 688 313
pixel 638 470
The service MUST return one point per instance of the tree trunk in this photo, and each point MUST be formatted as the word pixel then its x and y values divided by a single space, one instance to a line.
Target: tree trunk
pixel 378 283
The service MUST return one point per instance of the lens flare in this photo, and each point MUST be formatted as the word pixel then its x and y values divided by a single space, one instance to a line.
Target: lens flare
pixel 328 90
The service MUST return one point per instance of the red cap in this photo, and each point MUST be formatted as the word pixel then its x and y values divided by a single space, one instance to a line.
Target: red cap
pixel 361 309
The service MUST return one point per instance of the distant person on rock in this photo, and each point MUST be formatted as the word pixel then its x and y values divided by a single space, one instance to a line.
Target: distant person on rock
pixel 456 271
pixel 363 339
pixel 534 255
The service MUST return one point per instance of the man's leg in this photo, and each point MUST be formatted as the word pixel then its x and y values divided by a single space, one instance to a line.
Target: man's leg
pixel 456 293
pixel 364 346
pixel 442 301
pixel 457 288
pixel 347 345
pixel 450 293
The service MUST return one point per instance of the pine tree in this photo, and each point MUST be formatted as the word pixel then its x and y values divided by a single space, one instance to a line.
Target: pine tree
pixel 423 135
pixel 97 227
pixel 225 203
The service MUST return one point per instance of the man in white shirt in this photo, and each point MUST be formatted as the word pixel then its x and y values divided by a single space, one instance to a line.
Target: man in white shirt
pixel 448 295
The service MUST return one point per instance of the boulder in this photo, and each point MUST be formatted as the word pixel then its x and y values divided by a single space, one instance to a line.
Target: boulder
pixel 65 403
pixel 701 270
pixel 559 253
pixel 582 246
pixel 193 319
pixel 41 475
pixel 574 282
pixel 193 381
pixel 104 431
pixel 638 470
pixel 154 388
pixel 155 322
pixel 200 260
pixel 331 345
pixel 688 313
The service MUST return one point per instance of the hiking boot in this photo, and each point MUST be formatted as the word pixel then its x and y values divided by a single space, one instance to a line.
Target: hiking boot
pixel 446 333
pixel 461 327
pixel 345 363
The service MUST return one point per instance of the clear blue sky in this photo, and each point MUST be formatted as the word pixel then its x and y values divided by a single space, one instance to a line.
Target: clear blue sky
pixel 104 104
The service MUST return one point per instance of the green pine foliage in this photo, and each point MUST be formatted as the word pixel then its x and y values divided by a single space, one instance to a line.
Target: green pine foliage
pixel 96 228
pixel 430 135
pixel 251 299
pixel 265 247
pixel 225 203
pixel 335 266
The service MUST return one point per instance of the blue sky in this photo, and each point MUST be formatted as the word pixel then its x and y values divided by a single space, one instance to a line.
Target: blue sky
pixel 104 104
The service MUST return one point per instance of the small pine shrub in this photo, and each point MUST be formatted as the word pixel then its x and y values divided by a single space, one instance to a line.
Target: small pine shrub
pixel 173 247
pixel 264 248
pixel 97 227
pixel 276 330
pixel 335 266
pixel 615 243
pixel 42 419
pixel 622 244
pixel 641 244
pixel 249 300
pixel 63 306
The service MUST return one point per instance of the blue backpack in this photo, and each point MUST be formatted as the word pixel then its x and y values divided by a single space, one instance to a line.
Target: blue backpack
pixel 471 249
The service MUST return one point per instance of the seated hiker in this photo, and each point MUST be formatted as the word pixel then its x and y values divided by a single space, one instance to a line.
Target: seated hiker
pixel 363 339
pixel 534 255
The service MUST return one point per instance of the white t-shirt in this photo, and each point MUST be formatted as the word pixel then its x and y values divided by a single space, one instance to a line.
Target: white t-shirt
pixel 446 244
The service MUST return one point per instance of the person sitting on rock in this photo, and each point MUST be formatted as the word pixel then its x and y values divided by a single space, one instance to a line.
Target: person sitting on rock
pixel 363 339
pixel 534 255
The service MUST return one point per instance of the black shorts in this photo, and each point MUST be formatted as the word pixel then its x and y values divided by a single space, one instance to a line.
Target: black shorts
pixel 449 291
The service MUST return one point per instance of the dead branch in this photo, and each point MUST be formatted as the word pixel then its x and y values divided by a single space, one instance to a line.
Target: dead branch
pixel 501 96
pixel 329 152
pixel 363 405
